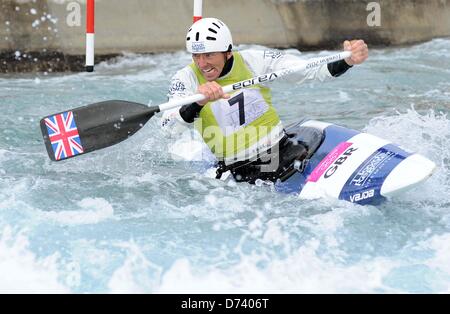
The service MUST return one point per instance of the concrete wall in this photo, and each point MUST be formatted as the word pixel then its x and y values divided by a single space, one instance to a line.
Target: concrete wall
pixel 40 26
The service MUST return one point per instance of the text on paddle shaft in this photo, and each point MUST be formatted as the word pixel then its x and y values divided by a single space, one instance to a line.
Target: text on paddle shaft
pixel 316 63
pixel 255 80
pixel 235 303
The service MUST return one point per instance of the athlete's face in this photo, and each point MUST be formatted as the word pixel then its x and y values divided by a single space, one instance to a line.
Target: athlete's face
pixel 211 64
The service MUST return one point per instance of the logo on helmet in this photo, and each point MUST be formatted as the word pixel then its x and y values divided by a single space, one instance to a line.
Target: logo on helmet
pixel 198 47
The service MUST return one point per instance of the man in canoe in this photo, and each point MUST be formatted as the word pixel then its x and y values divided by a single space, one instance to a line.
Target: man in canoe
pixel 243 129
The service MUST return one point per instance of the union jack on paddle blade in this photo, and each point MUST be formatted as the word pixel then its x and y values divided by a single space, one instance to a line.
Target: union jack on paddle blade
pixel 63 135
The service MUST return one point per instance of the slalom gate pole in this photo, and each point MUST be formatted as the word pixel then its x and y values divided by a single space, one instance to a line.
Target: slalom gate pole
pixel 90 33
pixel 198 4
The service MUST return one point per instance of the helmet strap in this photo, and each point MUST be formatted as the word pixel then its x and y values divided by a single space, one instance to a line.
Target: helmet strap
pixel 228 65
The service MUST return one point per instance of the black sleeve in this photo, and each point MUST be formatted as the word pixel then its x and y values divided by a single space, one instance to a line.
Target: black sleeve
pixel 338 68
pixel 190 112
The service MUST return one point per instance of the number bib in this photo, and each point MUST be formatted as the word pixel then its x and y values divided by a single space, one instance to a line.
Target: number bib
pixel 239 127
pixel 242 109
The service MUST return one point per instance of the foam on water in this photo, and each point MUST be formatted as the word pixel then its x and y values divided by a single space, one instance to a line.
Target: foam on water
pixel 302 272
pixel 21 271
pixel 92 211
pixel 426 134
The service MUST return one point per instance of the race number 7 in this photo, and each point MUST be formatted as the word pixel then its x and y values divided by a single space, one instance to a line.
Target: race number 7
pixel 239 99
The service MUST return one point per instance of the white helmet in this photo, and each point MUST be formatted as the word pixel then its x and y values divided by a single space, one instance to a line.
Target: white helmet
pixel 209 35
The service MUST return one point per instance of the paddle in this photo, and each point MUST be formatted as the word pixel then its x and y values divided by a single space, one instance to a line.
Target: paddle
pixel 99 125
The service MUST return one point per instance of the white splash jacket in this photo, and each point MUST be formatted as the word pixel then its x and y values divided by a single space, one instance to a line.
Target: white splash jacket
pixel 233 136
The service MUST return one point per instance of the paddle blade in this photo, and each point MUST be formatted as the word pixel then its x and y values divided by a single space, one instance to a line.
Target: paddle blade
pixel 92 127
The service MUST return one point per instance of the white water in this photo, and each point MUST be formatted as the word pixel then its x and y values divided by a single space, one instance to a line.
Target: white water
pixel 131 219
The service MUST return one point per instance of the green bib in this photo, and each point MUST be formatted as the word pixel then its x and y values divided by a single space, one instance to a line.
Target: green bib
pixel 231 126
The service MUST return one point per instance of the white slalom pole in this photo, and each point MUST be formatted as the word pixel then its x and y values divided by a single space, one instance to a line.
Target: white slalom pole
pixel 268 77
pixel 90 21
pixel 198 5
